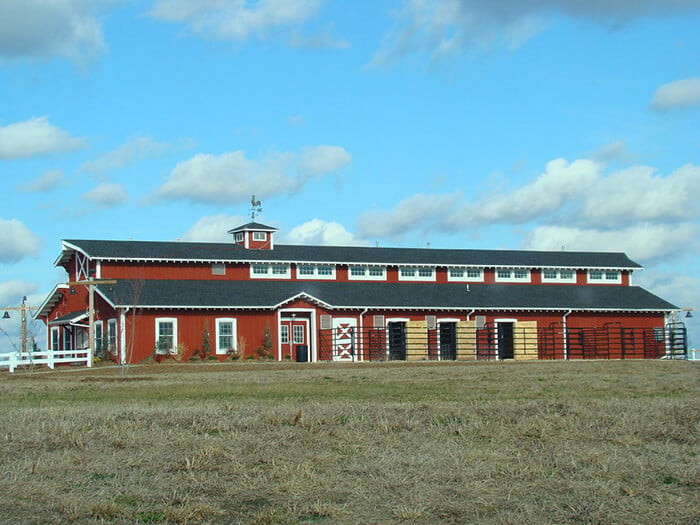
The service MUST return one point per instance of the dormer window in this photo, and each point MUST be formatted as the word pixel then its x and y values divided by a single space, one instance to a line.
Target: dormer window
pixel 259 236
pixel 239 237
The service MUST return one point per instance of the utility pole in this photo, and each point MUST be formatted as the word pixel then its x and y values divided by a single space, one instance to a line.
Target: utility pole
pixel 90 283
pixel 23 309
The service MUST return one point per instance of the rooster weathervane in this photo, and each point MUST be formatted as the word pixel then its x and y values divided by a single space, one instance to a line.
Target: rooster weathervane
pixel 255 207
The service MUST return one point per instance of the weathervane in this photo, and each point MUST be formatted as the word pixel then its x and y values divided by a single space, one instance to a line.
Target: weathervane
pixel 255 206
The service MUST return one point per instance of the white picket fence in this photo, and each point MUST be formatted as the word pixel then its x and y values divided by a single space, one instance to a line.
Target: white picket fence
pixel 49 358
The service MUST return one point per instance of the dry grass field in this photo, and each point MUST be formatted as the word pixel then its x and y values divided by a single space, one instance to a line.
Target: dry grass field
pixel 541 442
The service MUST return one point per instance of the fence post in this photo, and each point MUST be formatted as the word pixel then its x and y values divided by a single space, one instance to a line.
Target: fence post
pixel 49 358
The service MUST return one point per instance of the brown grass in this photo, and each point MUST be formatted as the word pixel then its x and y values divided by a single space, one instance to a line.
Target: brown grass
pixel 554 442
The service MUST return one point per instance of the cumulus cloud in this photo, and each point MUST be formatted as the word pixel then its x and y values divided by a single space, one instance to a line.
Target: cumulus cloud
pixel 240 20
pixel 135 150
pixel 319 232
pixel 416 212
pixel 37 29
pixel 16 241
pixel 639 194
pixel 614 151
pixel 108 194
pixel 679 94
pixel 46 182
pixel 644 242
pixel 232 177
pixel 34 137
pixel 560 183
pixel 442 28
pixel 578 193
pixel 213 228
pixel 12 292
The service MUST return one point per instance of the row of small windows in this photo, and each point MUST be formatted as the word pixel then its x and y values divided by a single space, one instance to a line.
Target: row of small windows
pixel 428 273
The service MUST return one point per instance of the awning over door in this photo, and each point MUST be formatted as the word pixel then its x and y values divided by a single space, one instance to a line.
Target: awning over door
pixel 70 318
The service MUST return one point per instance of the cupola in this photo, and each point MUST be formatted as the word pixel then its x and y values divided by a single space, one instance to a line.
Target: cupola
pixel 254 236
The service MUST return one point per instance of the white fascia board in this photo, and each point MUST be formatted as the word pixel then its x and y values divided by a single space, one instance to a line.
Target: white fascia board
pixel 303 295
pixel 45 305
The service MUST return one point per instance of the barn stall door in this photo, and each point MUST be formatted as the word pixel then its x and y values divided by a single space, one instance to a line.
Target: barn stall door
pixel 344 338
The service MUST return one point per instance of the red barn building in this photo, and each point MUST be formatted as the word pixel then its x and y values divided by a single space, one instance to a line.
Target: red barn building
pixel 253 298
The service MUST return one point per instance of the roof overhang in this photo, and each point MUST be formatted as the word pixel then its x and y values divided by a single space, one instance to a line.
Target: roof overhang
pixel 51 300
pixel 71 318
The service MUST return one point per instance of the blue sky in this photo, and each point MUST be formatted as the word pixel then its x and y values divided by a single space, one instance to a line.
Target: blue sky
pixel 547 124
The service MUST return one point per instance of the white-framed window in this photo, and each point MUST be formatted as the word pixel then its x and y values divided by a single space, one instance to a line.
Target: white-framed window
pixel 284 334
pixel 99 335
pixel 604 276
pixel 112 335
pixel 316 271
pixel 166 335
pixel 270 271
pixel 239 237
pixel 613 276
pixel 367 272
pixel 553 275
pixel 298 331
pixel 67 338
pixel 259 236
pixel 55 338
pixel 465 274
pixel 512 275
pixel 226 335
pixel 416 273
pixel 218 269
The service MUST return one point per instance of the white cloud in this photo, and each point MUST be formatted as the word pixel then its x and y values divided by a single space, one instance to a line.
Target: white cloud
pixel 642 242
pixel 213 228
pixel 323 159
pixel 138 149
pixel 679 94
pixel 107 194
pixel 12 292
pixel 240 20
pixel 46 182
pixel 416 212
pixel 36 136
pixel 443 28
pixel 16 241
pixel 637 194
pixel 319 232
pixel 31 29
pixel 231 177
pixel 561 183
pixel 614 151
pixel 578 193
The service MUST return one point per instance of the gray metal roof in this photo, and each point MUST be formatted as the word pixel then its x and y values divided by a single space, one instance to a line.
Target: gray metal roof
pixel 229 252
pixel 337 295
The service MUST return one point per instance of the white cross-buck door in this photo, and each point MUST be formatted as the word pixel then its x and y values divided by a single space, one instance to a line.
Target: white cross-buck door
pixel 344 330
